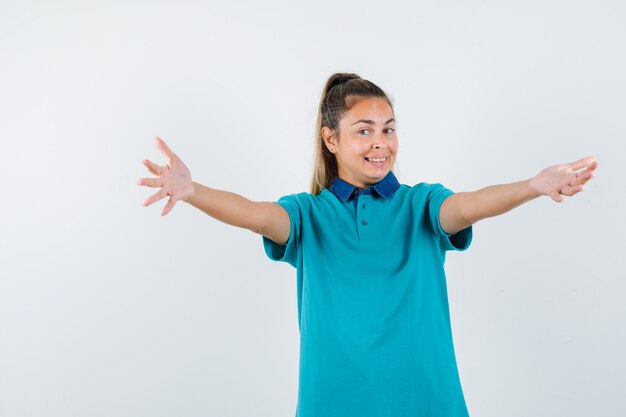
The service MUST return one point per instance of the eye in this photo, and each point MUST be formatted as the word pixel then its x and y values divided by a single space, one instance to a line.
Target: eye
pixel 364 130
pixel 390 130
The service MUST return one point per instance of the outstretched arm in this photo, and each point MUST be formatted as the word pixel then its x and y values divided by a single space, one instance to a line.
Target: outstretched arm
pixel 463 209
pixel 174 180
pixel 262 217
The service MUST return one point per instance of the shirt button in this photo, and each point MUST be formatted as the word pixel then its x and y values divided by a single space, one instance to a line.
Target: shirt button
pixel 364 222
pixel 363 206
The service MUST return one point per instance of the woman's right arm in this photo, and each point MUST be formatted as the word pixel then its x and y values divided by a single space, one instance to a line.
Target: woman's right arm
pixel 265 218
pixel 174 180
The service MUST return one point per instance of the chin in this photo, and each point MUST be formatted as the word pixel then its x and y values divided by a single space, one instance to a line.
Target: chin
pixel 375 178
pixel 381 173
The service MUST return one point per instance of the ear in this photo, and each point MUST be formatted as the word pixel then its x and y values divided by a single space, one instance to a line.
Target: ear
pixel 328 135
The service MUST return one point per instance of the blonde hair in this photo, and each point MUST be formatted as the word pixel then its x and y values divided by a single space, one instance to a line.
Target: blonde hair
pixel 340 93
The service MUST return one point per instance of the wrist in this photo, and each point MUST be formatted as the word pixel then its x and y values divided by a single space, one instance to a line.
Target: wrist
pixel 190 198
pixel 531 190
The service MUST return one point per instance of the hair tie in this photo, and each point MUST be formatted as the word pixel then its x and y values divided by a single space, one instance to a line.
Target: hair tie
pixel 342 79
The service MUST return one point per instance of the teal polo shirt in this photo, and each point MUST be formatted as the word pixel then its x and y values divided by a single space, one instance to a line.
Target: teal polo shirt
pixel 373 314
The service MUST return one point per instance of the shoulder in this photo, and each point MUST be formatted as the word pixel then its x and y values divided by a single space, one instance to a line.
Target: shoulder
pixel 300 198
pixel 295 196
pixel 304 201
pixel 427 190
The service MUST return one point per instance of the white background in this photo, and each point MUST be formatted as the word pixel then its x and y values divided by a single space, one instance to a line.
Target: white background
pixel 109 309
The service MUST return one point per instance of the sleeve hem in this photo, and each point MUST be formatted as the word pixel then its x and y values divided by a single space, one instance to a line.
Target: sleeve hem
pixel 459 241
pixel 282 252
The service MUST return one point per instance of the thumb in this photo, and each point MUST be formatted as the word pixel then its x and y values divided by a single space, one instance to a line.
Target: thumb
pixel 557 197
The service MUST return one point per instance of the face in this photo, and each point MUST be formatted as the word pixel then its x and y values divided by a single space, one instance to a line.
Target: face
pixel 367 131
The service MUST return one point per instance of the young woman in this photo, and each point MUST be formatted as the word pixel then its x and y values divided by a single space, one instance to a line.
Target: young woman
pixel 375 332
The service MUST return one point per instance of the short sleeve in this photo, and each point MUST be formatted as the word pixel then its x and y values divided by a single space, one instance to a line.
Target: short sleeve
pixel 460 240
pixel 287 252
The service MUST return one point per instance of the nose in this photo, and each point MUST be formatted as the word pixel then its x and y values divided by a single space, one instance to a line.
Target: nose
pixel 378 141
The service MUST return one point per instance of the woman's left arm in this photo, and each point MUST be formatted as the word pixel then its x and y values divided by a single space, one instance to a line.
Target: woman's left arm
pixel 463 209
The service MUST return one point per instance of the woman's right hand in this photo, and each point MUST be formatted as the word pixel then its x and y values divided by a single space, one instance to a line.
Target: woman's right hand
pixel 174 179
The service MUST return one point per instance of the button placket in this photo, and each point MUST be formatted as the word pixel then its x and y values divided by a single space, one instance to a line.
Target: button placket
pixel 363 216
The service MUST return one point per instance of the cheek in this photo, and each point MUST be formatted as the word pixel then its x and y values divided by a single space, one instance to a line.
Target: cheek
pixel 360 149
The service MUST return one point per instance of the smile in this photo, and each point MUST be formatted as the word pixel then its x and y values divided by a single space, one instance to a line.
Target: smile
pixel 376 160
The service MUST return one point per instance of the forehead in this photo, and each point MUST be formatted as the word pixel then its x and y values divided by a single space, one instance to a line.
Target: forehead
pixel 370 108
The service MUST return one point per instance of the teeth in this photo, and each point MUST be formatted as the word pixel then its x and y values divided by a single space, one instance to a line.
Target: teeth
pixel 376 159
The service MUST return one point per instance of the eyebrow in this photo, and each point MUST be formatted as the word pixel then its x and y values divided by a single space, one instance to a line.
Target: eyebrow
pixel 371 122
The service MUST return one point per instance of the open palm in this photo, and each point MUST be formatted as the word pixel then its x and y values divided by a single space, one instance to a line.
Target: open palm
pixel 174 179
pixel 565 179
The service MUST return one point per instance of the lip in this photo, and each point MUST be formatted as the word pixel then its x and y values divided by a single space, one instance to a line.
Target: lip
pixel 377 164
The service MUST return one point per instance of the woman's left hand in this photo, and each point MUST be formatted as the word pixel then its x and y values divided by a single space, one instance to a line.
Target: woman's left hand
pixel 565 179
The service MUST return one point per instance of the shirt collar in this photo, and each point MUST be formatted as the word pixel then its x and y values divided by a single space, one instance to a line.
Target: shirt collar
pixel 385 187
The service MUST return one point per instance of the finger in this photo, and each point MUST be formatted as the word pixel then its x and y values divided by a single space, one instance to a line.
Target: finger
pixel 155 197
pixel 570 191
pixel 152 167
pixel 557 197
pixel 150 182
pixel 582 178
pixel 583 162
pixel 168 207
pixel 162 146
pixel 591 168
